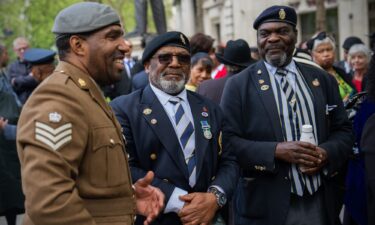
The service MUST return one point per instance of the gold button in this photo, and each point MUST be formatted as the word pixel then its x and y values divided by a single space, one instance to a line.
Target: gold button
pixel 153 156
pixel 112 141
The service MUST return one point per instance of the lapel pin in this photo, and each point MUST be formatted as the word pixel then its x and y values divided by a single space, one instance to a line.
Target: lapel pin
pixel 147 111
pixel 204 109
pixel 259 72
pixel 154 121
pixel 81 82
pixel 261 81
pixel 204 114
pixel 206 129
pixel 316 82
pixel 54 117
pixel 264 87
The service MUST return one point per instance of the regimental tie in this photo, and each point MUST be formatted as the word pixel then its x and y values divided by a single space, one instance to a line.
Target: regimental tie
pixel 185 134
pixel 299 181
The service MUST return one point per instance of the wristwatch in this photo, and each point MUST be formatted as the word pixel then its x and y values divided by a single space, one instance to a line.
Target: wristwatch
pixel 221 198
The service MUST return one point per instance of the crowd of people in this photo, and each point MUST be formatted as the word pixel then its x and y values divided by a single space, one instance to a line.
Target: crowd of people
pixel 189 133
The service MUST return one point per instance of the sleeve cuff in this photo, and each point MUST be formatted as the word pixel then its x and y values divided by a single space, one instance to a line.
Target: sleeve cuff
pixel 175 204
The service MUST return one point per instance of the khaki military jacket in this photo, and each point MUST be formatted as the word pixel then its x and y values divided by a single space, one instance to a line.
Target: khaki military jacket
pixel 74 167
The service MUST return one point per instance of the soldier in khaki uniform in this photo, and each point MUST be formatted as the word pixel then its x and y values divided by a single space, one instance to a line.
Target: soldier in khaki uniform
pixel 74 167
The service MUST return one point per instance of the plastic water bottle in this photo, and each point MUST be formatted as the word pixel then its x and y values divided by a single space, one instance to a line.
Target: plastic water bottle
pixel 307 135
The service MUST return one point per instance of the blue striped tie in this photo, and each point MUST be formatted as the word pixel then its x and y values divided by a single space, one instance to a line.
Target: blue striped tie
pixel 185 134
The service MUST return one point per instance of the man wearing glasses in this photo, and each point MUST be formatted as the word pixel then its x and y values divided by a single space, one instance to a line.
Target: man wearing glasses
pixel 176 134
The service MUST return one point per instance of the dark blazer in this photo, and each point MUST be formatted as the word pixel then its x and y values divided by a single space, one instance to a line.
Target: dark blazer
pixel 122 87
pixel 140 80
pixel 254 130
pixel 367 146
pixel 155 146
pixel 213 89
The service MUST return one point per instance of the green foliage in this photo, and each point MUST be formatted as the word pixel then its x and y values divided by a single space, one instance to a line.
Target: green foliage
pixel 33 19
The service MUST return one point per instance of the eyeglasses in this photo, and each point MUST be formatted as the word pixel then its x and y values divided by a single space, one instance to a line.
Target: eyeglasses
pixel 167 58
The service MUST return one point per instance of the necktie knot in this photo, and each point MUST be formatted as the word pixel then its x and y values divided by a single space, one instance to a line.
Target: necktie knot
pixel 282 72
pixel 174 100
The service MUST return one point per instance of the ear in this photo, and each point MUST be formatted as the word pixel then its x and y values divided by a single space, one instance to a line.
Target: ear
pixel 78 45
pixel 147 66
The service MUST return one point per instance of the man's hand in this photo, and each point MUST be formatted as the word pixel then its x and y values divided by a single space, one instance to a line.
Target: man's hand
pixel 315 169
pixel 3 123
pixel 199 208
pixel 149 199
pixel 299 152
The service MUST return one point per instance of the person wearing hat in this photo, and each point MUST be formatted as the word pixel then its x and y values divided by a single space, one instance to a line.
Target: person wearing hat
pixel 284 180
pixel 176 134
pixel 73 161
pixel 41 61
pixel 348 43
pixel 236 57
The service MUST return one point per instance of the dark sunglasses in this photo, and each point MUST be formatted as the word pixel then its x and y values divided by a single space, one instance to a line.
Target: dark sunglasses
pixel 167 58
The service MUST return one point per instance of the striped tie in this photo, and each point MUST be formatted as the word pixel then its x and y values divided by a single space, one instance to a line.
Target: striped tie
pixel 287 88
pixel 185 134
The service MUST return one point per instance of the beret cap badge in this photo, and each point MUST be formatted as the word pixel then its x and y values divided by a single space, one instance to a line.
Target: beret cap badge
pixel 282 14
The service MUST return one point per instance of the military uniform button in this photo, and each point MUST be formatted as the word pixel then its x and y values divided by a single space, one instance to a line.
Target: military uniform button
pixel 286 178
pixel 153 156
pixel 166 180
pixel 213 178
pixel 112 141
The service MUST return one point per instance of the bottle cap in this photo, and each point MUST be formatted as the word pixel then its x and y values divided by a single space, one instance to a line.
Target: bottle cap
pixel 307 128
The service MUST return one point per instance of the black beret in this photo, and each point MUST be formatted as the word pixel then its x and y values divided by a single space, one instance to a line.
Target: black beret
pixel 276 13
pixel 36 56
pixel 172 38
pixel 84 17
pixel 350 41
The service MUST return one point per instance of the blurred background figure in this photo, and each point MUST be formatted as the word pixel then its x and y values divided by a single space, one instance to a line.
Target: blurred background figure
pixel 360 193
pixel 323 51
pixel 201 67
pixel 42 62
pixel 158 12
pixel 348 43
pixel 366 118
pixel 19 71
pixel 236 57
pixel 359 58
pixel 11 197
pixel 254 53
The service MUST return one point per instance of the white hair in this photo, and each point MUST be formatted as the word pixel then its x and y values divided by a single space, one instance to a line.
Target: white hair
pixel 360 49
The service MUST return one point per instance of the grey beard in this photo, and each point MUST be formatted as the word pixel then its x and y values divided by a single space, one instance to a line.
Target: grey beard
pixel 277 62
pixel 171 86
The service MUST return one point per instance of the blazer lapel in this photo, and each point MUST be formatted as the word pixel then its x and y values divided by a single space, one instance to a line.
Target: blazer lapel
pixel 158 120
pixel 314 84
pixel 263 85
pixel 198 109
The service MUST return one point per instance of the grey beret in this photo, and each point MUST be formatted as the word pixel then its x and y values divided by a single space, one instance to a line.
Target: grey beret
pixel 84 17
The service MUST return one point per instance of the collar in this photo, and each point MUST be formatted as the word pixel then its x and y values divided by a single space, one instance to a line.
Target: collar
pixel 164 97
pixel 290 67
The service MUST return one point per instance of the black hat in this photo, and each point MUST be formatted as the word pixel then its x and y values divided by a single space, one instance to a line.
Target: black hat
pixel 36 56
pixel 350 41
pixel 236 53
pixel 172 38
pixel 277 13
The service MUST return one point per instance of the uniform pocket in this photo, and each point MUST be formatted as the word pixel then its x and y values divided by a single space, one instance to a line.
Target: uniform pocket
pixel 108 165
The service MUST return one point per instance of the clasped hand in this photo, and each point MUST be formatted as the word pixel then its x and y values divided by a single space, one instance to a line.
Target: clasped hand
pixel 311 158
pixel 199 208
